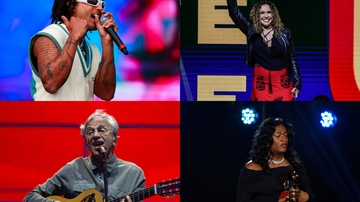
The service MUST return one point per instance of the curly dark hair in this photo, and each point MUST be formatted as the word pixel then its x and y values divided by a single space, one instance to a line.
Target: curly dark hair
pixel 62 7
pixel 276 23
pixel 263 140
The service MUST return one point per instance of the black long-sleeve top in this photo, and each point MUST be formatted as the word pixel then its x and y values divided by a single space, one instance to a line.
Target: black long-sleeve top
pixel 257 186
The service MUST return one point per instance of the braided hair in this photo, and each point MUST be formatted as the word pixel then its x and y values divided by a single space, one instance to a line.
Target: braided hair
pixel 62 8
pixel 262 145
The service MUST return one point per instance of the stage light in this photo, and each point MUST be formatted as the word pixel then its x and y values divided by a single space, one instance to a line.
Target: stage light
pixel 328 119
pixel 249 116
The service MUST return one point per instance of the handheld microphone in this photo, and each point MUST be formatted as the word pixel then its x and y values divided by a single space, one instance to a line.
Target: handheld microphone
pixel 114 36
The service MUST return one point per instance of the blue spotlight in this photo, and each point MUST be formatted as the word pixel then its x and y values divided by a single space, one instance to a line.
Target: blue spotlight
pixel 249 116
pixel 328 119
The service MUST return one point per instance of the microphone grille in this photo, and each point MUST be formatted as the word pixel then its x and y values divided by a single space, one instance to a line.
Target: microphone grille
pixel 101 150
pixel 103 20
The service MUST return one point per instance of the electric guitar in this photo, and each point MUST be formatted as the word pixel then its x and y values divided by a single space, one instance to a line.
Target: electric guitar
pixel 167 188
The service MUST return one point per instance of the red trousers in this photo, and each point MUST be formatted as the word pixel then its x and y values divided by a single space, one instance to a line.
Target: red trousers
pixel 271 85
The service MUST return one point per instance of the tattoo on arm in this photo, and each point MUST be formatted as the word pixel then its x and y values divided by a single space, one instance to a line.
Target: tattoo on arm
pixel 45 83
pixel 63 65
pixel 106 74
pixel 71 58
pixel 48 55
pixel 61 54
pixel 70 41
pixel 45 47
pixel 103 59
pixel 48 66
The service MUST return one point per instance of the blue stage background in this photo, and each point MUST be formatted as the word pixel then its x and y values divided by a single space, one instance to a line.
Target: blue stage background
pixel 149 29
pixel 228 60
pixel 310 37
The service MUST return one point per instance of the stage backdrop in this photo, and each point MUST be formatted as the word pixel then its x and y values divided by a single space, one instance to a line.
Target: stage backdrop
pixel 215 145
pixel 149 29
pixel 213 49
pixel 41 137
pixel 344 49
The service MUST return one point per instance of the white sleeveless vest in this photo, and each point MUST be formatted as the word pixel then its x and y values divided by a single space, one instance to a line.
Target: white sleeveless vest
pixel 80 83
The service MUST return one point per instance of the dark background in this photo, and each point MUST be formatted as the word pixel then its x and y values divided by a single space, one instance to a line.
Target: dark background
pixel 215 145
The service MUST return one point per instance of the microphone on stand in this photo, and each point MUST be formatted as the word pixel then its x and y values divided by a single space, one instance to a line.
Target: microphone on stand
pixel 114 36
pixel 102 150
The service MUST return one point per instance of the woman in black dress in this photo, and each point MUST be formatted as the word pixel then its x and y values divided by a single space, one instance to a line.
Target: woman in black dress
pixel 270 50
pixel 272 159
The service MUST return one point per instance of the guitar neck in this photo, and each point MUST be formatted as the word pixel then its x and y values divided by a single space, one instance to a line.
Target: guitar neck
pixel 167 188
pixel 140 195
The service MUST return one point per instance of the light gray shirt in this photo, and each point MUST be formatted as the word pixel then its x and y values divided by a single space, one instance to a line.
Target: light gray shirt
pixel 71 180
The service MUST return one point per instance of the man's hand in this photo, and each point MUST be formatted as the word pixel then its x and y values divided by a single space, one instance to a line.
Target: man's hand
pixel 105 80
pixel 128 199
pixel 76 26
pixel 101 28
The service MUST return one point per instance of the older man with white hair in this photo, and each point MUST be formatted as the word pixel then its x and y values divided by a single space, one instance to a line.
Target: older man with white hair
pixel 99 130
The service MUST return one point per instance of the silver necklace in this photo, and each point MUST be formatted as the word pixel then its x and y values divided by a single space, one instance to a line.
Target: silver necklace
pixel 82 46
pixel 277 162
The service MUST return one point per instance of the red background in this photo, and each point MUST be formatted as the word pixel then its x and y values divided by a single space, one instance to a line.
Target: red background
pixel 341 51
pixel 41 137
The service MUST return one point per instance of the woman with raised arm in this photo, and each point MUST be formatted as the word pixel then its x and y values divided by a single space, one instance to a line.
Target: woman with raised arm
pixel 270 50
pixel 272 158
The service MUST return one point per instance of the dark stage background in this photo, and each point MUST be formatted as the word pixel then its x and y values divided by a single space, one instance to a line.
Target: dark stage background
pixel 215 146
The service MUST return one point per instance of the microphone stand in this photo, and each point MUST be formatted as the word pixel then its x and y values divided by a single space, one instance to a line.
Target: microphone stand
pixel 105 175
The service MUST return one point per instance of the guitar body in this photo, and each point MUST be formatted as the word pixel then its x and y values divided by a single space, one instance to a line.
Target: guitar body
pixel 170 187
pixel 91 195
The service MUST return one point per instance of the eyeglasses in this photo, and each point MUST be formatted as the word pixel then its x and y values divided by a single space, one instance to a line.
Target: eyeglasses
pixel 93 2
pixel 101 130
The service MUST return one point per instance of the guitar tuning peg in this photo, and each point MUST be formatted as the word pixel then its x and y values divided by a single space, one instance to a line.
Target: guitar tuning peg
pixel 166 197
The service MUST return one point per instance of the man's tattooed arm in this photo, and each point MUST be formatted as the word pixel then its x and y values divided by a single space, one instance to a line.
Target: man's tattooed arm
pixel 105 80
pixel 54 66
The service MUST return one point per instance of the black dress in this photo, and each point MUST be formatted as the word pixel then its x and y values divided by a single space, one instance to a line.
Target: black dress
pixel 258 186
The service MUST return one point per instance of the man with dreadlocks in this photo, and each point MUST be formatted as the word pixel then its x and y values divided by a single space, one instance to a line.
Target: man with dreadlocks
pixel 64 65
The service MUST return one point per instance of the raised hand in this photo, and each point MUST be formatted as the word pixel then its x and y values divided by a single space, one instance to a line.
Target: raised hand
pixel 76 26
